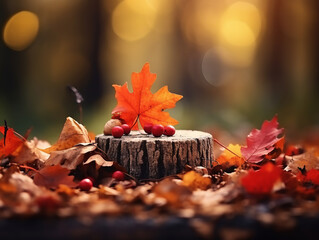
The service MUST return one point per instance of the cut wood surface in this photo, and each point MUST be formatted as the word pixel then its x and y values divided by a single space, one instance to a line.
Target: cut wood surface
pixel 145 156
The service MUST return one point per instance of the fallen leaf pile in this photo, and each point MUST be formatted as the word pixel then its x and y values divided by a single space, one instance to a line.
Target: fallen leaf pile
pixel 267 180
pixel 37 180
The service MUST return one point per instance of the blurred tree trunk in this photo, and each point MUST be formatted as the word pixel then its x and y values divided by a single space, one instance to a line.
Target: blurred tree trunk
pixel 11 70
pixel 273 50
pixel 94 88
pixel 288 60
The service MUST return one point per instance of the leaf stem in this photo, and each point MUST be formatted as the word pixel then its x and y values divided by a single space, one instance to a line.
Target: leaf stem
pixel 19 135
pixel 136 120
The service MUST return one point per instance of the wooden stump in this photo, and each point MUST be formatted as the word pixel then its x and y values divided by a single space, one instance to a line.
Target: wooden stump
pixel 145 156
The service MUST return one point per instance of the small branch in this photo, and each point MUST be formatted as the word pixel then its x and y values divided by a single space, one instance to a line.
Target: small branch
pixel 30 168
pixel 78 98
pixel 81 112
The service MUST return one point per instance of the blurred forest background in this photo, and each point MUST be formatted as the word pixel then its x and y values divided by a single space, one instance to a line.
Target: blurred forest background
pixel 235 62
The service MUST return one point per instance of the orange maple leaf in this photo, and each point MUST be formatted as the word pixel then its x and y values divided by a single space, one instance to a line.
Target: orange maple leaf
pixel 142 104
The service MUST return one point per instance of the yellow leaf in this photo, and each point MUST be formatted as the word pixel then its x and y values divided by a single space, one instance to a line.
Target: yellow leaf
pixel 195 181
pixel 228 158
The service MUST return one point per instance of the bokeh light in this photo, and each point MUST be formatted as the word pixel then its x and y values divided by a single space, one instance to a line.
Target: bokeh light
pixel 240 27
pixel 213 68
pixel 199 22
pixel 21 30
pixel 246 13
pixel 133 20
pixel 237 33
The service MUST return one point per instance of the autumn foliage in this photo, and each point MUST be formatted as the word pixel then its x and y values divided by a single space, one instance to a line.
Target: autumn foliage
pixel 262 142
pixel 10 143
pixel 142 104
pixel 39 178
pixel 263 180
pixel 228 158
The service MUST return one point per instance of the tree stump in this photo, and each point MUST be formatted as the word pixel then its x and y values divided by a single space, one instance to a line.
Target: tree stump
pixel 145 156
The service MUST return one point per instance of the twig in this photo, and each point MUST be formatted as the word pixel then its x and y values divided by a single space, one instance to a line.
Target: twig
pixel 30 168
pixel 79 99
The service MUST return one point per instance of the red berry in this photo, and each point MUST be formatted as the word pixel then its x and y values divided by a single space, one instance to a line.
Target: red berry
pixel 92 179
pixel 118 175
pixel 169 130
pixel 157 130
pixel 126 129
pixel 117 131
pixel 148 128
pixel 85 184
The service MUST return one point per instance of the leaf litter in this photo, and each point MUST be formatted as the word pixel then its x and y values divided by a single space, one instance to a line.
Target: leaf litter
pixel 258 181
pixel 50 188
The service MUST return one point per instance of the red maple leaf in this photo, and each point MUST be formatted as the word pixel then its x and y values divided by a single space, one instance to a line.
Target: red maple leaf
pixel 263 180
pixel 142 104
pixel 261 142
pixel 10 143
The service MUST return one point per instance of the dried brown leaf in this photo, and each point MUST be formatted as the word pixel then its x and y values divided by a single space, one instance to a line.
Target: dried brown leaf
pixel 53 176
pixel 99 167
pixel 173 193
pixel 70 158
pixel 31 152
pixel 99 161
pixel 24 183
pixel 102 162
pixel 9 191
pixel 308 159
pixel 72 133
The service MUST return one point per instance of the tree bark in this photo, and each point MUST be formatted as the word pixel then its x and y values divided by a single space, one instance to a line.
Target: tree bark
pixel 145 156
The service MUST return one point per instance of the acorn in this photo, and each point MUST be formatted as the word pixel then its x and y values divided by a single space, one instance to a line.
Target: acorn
pixel 110 124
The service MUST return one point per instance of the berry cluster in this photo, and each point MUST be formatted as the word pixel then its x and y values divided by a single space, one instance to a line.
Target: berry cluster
pixel 118 131
pixel 158 130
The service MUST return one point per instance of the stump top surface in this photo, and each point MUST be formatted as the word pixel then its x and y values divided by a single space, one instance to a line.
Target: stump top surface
pixel 180 135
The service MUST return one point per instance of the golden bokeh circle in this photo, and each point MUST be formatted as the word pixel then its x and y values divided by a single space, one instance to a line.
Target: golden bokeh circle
pixel 21 30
